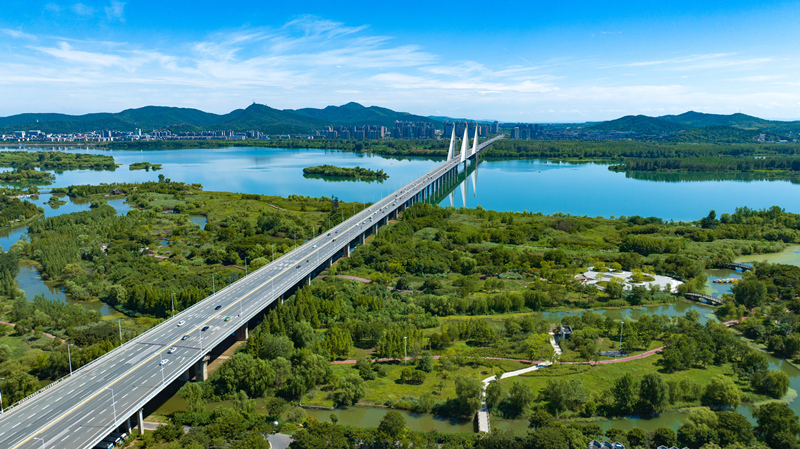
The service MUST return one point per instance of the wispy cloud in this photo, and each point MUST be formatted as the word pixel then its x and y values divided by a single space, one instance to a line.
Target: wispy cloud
pixel 82 10
pixel 115 11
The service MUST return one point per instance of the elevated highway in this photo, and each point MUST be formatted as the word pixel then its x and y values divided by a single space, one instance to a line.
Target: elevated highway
pixel 80 410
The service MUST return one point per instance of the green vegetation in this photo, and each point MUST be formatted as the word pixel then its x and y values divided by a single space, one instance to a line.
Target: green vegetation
pixel 144 166
pixel 31 176
pixel 14 210
pixel 345 172
pixel 55 160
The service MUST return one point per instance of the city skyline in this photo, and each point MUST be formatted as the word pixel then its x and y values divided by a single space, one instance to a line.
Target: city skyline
pixel 512 62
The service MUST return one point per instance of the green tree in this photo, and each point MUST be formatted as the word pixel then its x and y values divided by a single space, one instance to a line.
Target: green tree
pixel 749 291
pixel 349 389
pixel 243 404
pixel 520 396
pixel 653 394
pixel 318 435
pixel 5 352
pixel 16 386
pixel 193 393
pixel 624 393
pixel 722 392
pixel 771 383
pixel 664 436
pixel 494 394
pixel 468 392
pixel 777 425
pixel 392 426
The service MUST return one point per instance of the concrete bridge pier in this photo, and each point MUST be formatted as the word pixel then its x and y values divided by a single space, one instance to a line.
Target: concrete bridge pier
pixel 201 369
pixel 140 417
pixel 128 426
pixel 242 332
pixel 184 377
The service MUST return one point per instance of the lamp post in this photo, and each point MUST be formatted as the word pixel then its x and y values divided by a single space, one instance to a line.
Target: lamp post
pixel 1 403
pixel 621 324
pixel 161 364
pixel 114 404
pixel 119 326
pixel 213 286
pixel 69 356
pixel 173 304
pixel 245 265
pixel 37 438
pixel 405 350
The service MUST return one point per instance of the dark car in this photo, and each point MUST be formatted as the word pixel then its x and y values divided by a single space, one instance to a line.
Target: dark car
pixel 218 307
pixel 205 328
pixel 185 337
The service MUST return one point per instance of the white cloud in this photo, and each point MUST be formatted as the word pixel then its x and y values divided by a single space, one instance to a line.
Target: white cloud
pixel 82 10
pixel 115 11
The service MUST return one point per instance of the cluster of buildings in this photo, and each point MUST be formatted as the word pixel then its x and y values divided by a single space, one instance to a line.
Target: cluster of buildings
pixel 108 136
pixel 368 132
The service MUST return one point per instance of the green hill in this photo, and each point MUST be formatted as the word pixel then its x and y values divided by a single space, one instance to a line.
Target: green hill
pixel 639 124
pixel 263 118
pixel 723 134
pixel 738 120
pixel 356 114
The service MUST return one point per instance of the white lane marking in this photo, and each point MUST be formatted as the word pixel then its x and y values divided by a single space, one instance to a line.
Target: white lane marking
pixel 15 425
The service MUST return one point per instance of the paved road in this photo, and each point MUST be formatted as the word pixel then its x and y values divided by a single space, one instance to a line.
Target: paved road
pixel 82 409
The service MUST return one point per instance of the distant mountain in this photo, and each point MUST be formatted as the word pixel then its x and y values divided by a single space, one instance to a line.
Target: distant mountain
pixel 443 118
pixel 255 117
pixel 355 114
pixel 700 119
pixel 723 134
pixel 639 124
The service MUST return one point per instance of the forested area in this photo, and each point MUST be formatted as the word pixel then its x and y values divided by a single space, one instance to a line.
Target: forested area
pixel 55 160
pixel 712 164
pixel 13 209
pixel 345 172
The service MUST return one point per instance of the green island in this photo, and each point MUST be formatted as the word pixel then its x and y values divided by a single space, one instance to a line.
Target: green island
pixel 147 166
pixel 345 172
pixel 464 289
pixel 55 160
pixel 27 176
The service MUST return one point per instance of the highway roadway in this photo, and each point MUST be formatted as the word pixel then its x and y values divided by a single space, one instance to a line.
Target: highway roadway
pixel 80 410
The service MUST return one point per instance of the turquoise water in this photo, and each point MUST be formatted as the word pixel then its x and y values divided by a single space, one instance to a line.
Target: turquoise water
pixel 503 185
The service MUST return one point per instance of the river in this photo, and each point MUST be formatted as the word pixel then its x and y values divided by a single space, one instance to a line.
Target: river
pixel 503 185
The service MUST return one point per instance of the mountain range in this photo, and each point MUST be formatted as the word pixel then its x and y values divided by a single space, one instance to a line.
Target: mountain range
pixel 256 117
pixel 689 126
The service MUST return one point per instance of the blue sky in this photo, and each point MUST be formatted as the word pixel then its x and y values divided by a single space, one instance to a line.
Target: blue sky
pixel 531 61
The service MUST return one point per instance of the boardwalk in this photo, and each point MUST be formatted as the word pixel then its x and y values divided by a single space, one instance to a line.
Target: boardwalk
pixel 740 266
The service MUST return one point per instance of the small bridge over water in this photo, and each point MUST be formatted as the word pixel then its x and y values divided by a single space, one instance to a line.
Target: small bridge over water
pixel 740 266
pixel 707 299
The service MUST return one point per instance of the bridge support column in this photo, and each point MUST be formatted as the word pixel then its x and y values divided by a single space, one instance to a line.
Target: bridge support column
pixel 241 332
pixel 308 280
pixel 140 417
pixel 184 376
pixel 201 369
pixel 347 250
pixel 128 426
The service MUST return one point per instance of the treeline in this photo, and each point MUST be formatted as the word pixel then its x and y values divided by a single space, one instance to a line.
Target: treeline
pixel 560 150
pixel 162 187
pixel 712 164
pixel 13 209
pixel 346 172
pixel 55 160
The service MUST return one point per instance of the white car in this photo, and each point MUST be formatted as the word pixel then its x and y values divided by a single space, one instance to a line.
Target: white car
pixel 181 323
pixel 171 350
pixel 164 362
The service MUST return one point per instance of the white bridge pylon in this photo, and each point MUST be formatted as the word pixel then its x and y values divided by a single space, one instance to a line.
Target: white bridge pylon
pixel 475 142
pixel 464 145
pixel 452 145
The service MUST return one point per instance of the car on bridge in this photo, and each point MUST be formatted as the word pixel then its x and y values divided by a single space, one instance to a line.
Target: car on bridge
pixel 171 350
pixel 227 318
pixel 218 307
pixel 164 362
pixel 181 323
pixel 205 328
pixel 185 337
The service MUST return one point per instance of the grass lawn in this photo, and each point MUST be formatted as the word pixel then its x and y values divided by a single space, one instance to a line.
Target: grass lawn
pixel 596 379
pixel 383 389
